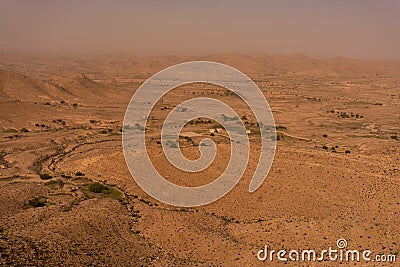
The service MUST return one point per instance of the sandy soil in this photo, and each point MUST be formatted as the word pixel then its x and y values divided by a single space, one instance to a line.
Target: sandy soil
pixel 336 173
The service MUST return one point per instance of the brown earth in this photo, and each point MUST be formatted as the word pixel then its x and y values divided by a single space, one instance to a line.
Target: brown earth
pixel 336 172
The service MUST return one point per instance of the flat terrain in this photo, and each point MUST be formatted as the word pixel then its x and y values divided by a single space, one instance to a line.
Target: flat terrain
pixel 336 172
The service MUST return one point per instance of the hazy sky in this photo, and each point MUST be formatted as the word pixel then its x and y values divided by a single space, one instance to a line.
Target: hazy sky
pixel 359 28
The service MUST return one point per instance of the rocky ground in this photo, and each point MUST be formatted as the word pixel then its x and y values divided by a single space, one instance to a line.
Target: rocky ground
pixel 67 197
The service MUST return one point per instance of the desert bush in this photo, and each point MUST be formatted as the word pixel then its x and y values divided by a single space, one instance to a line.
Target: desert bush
pixel 106 131
pixel 325 135
pixel 97 188
pixel 62 102
pixel 38 202
pixel 74 105
pixel 325 147
pixel 24 130
pixel 45 176
pixel 171 144
pixel 347 151
pixel 394 137
pixel 78 173
pixel 11 131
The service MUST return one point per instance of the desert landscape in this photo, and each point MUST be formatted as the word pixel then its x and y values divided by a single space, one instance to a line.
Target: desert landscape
pixel 67 197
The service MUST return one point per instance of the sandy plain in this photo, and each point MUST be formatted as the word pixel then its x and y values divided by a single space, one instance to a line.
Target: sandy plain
pixel 336 172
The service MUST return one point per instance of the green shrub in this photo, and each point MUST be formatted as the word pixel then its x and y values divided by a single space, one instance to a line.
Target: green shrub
pixel 38 201
pixel 97 188
pixel 45 176
pixel 11 131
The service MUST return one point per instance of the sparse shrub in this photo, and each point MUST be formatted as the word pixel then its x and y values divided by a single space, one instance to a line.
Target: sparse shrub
pixel 104 131
pixel 394 137
pixel 212 134
pixel 325 147
pixel 78 173
pixel 171 144
pixel 93 121
pixel 38 202
pixel 62 102
pixel 45 176
pixel 74 105
pixel 97 188
pixel 47 103
pixel 325 135
pixel 24 130
pixel 347 151
pixel 11 131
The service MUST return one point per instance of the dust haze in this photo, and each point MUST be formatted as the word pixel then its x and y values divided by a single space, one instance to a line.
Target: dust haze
pixel 329 70
pixel 358 29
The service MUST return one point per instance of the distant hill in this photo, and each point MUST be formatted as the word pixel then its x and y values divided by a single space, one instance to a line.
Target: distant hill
pixel 66 86
pixel 15 86
pixel 79 85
